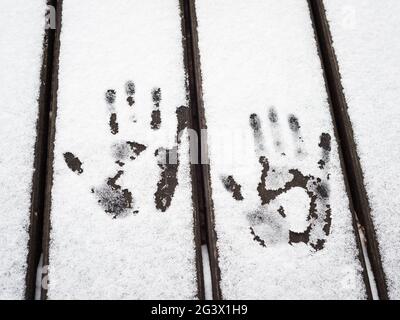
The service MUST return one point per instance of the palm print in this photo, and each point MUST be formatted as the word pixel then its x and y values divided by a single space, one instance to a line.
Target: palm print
pixel 268 228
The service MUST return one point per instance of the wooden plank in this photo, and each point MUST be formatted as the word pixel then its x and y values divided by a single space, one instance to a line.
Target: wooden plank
pixel 120 222
pixel 22 130
pixel 280 219
pixel 356 40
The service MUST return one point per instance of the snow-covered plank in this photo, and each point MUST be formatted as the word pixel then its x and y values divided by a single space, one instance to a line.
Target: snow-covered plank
pixel 281 214
pixel 366 41
pixel 22 25
pixel 121 221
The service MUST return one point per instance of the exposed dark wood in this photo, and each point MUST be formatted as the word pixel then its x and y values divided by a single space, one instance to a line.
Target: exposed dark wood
pixel 199 122
pixel 52 119
pixel 40 159
pixel 197 190
pixel 352 166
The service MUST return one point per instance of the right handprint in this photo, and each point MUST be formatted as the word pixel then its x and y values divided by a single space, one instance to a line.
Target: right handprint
pixel 268 222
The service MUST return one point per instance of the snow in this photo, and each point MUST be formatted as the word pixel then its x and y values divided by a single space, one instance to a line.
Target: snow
pixel 149 254
pixel 258 56
pixel 39 281
pixel 22 26
pixel 207 273
pixel 367 47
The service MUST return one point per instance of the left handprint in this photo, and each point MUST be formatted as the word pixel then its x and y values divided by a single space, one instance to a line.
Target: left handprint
pixel 111 196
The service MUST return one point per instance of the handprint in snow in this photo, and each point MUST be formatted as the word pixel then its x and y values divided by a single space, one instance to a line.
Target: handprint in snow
pixel 112 197
pixel 269 226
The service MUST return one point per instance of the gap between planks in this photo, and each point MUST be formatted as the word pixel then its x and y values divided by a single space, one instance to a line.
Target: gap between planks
pixel 202 170
pixel 40 161
pixel 199 179
pixel 198 197
pixel 50 149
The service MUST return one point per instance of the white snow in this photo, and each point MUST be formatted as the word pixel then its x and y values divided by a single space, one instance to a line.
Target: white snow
pixel 40 273
pixel 207 273
pixel 255 55
pixel 22 25
pixel 368 266
pixel 150 254
pixel 366 36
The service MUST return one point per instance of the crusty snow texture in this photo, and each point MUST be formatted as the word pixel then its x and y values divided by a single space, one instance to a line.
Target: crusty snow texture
pixel 138 255
pixel 260 66
pixel 22 26
pixel 366 38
